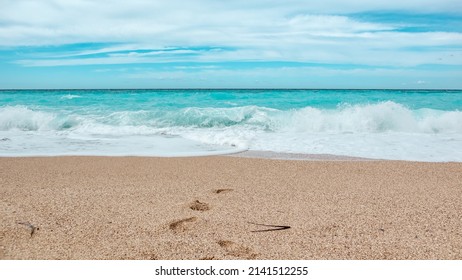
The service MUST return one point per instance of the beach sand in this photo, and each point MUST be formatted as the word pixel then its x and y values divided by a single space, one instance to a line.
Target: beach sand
pixel 210 208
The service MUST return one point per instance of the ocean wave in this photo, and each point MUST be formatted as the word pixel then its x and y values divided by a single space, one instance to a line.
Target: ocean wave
pixel 25 119
pixel 373 118
pixel 366 118
pixel 70 96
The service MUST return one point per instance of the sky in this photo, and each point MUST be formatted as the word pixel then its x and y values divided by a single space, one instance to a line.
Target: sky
pixel 81 44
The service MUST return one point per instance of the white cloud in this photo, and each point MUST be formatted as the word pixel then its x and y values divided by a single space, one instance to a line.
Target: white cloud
pixel 379 49
pixel 178 22
pixel 306 31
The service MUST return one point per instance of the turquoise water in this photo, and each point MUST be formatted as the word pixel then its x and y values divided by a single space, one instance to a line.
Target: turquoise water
pixel 448 100
pixel 391 124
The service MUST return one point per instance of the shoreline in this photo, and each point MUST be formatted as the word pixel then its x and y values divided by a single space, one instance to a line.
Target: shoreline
pixel 210 207
pixel 298 156
pixel 239 153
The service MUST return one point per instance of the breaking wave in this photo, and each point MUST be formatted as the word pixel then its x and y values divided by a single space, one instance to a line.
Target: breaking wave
pixel 369 118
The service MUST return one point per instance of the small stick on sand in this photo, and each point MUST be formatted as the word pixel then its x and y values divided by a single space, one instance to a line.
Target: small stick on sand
pixel 273 229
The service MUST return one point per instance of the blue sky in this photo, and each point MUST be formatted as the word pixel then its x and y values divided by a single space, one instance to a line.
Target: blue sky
pixel 230 44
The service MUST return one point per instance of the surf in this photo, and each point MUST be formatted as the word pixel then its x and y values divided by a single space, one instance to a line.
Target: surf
pixel 386 125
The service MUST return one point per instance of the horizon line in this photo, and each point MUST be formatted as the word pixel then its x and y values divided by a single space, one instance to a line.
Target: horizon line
pixel 225 88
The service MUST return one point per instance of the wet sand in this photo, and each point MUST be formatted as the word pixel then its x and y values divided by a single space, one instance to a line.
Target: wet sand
pixel 222 208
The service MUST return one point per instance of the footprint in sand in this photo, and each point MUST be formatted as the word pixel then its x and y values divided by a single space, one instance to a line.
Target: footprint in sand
pixel 236 250
pixel 222 191
pixel 182 225
pixel 196 205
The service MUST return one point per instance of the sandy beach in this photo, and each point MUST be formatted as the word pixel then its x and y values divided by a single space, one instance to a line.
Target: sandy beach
pixel 222 208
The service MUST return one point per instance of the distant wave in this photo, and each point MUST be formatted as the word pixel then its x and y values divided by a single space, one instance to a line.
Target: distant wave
pixel 70 96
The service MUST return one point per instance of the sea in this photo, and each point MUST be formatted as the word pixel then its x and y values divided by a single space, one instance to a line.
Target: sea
pixel 413 125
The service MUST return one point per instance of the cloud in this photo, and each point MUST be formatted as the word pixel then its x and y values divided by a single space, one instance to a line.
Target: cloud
pixel 175 22
pixel 206 31
pixel 380 48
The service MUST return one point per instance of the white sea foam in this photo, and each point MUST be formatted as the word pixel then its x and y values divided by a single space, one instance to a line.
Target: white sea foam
pixel 70 96
pixel 376 118
pixel 385 130
pixel 22 118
